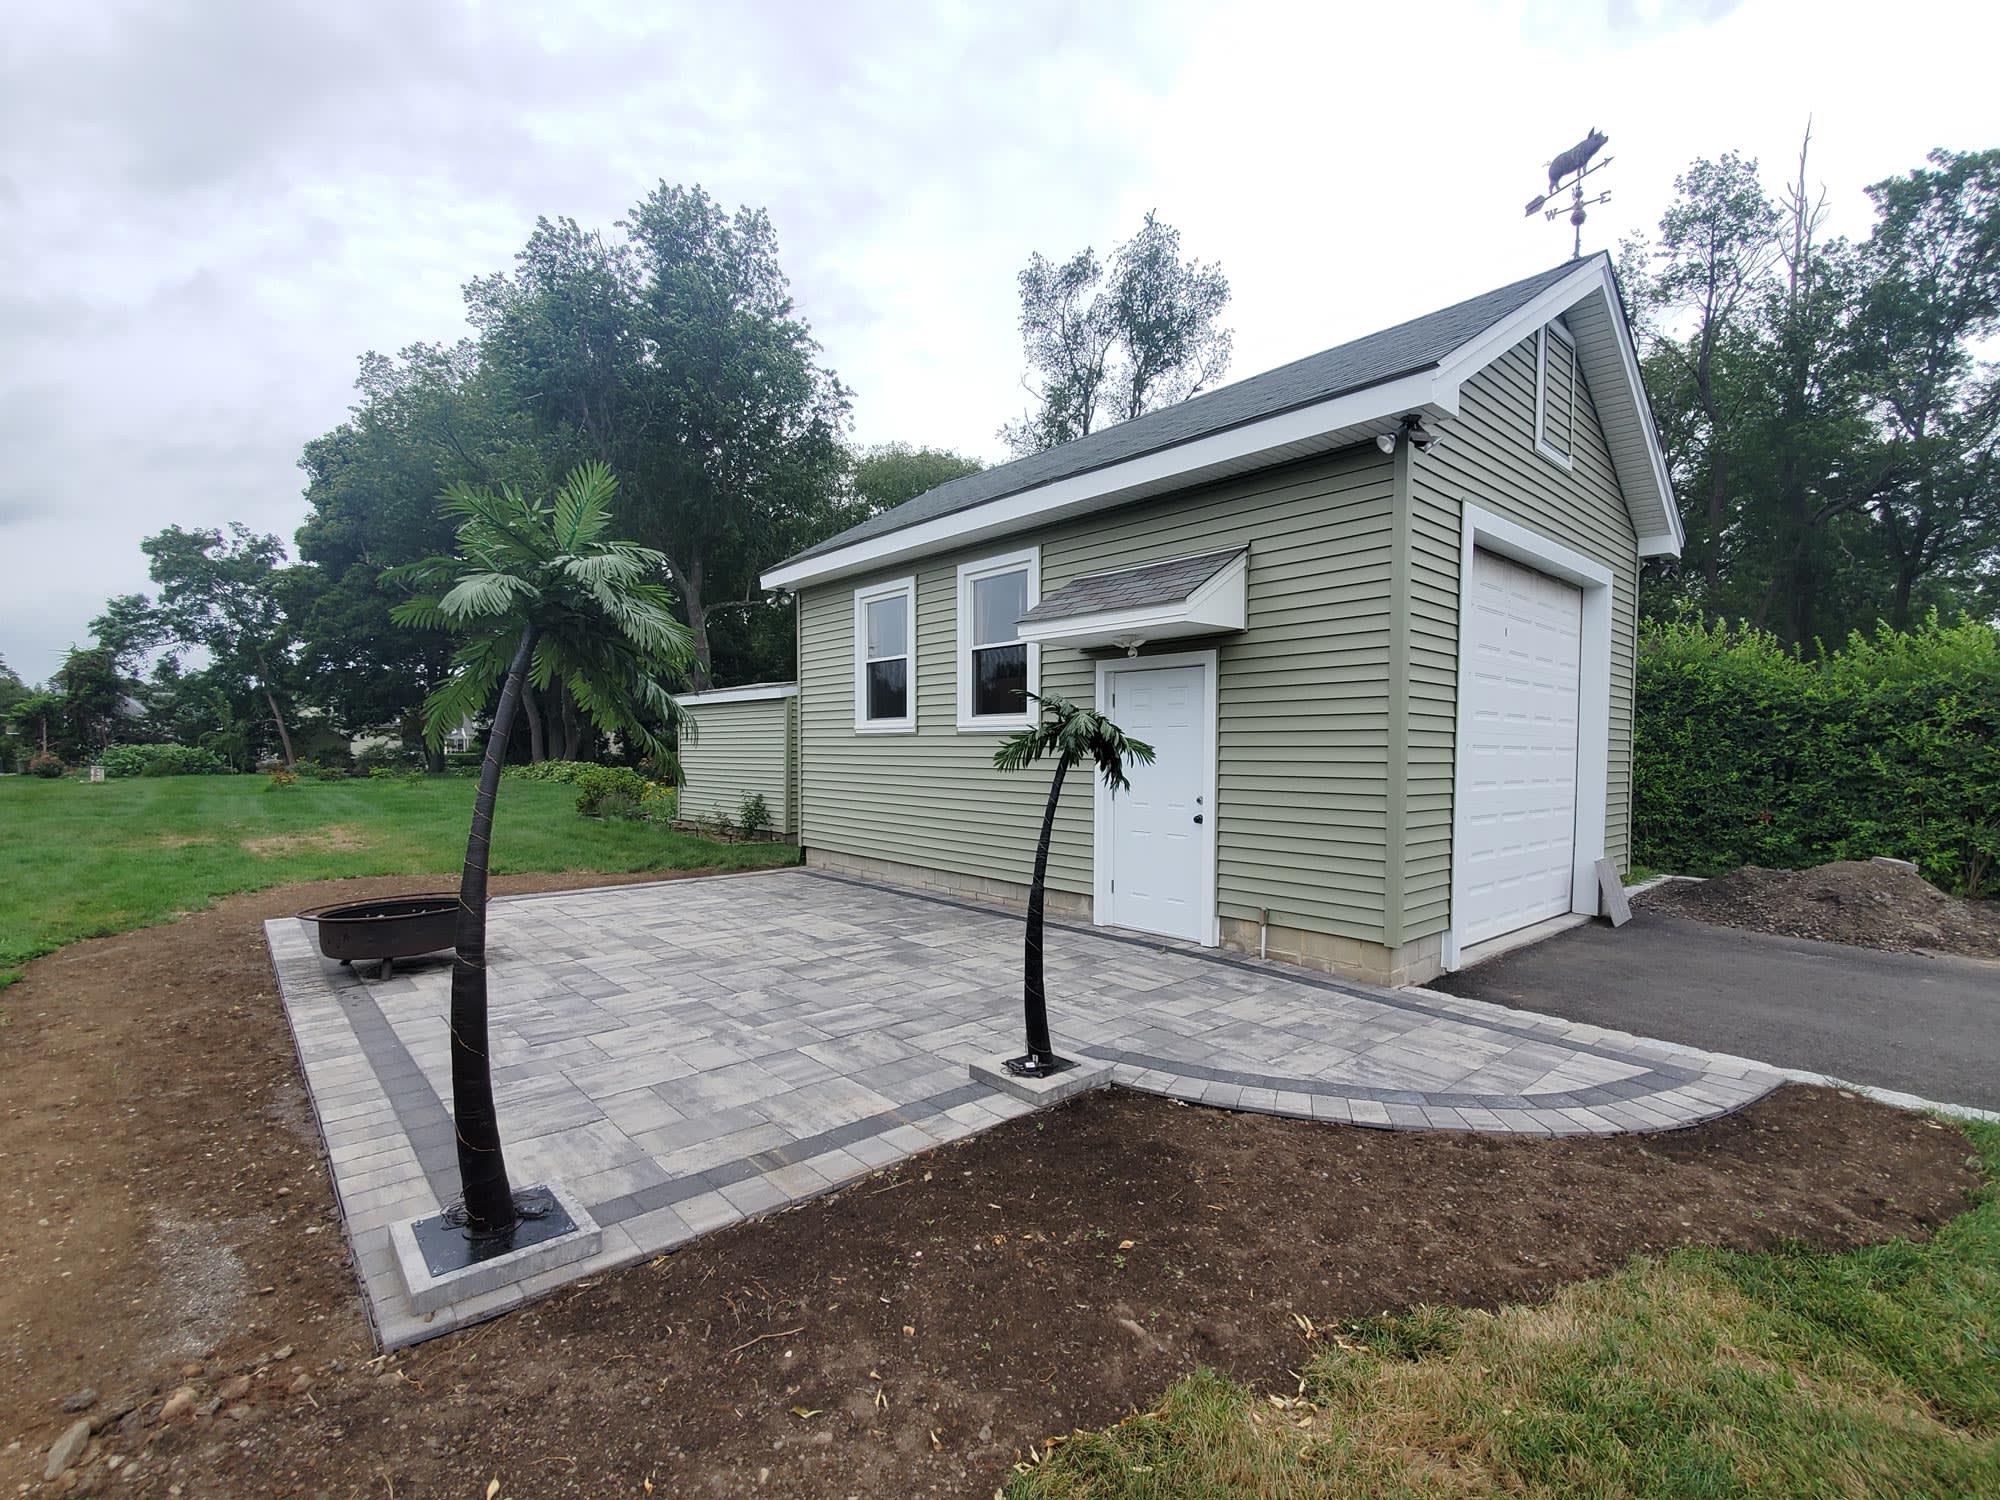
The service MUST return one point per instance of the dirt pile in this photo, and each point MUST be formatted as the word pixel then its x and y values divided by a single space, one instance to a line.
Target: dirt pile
pixel 1850 901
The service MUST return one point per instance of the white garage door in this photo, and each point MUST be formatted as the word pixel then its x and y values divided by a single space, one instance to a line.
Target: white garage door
pixel 1523 645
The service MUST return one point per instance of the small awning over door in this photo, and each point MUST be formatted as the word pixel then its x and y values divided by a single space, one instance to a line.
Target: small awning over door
pixel 1202 594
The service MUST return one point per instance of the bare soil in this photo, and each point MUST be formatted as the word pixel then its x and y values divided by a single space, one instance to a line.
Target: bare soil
pixel 1850 901
pixel 167 1238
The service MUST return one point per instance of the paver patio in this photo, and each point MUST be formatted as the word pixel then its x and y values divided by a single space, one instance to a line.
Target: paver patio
pixel 692 1053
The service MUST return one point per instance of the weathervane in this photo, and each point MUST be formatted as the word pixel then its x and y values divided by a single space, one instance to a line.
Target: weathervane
pixel 1569 170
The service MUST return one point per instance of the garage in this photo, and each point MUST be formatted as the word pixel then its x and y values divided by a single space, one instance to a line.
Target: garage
pixel 1520 677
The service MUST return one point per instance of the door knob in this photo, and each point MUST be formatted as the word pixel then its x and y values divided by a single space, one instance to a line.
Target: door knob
pixel 1197 817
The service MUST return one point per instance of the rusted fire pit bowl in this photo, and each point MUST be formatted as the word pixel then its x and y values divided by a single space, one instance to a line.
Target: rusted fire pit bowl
pixel 388 928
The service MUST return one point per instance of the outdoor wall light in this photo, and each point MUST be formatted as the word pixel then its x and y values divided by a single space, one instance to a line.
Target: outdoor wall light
pixel 1412 427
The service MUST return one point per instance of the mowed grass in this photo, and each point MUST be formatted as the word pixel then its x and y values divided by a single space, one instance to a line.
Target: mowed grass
pixel 1703 1374
pixel 84 861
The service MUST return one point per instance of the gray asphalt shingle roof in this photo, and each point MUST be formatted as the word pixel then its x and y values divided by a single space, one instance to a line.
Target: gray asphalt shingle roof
pixel 1168 582
pixel 1401 350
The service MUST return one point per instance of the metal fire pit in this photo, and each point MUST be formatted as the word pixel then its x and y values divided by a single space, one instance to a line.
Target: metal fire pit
pixel 387 929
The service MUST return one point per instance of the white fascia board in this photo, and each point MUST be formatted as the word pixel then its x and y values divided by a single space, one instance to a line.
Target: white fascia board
pixel 1593 277
pixel 1378 408
pixel 738 695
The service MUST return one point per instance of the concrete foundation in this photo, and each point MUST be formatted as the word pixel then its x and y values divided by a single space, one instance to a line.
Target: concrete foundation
pixel 1416 962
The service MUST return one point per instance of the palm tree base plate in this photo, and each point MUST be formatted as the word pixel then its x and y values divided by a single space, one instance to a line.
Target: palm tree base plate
pixel 1032 1066
pixel 449 1244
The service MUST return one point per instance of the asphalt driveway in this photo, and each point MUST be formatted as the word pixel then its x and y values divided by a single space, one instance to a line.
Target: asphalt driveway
pixel 1926 1026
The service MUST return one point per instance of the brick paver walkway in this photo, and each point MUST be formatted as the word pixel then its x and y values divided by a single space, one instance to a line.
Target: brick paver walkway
pixel 688 1054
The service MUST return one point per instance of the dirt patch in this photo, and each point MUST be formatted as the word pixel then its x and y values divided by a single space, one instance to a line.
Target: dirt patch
pixel 908 1336
pixel 1856 902
pixel 335 838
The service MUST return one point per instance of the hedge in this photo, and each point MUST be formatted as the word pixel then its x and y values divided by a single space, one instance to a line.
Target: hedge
pixel 1747 753
pixel 162 760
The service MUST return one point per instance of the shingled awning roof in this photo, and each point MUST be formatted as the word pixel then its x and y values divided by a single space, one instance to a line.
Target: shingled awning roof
pixel 1169 582
pixel 1205 593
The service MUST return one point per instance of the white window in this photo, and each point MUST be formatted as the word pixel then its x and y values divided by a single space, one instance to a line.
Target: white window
pixel 996 668
pixel 885 657
pixel 1555 394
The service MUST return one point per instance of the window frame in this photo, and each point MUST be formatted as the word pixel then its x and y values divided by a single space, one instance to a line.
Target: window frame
pixel 969 574
pixel 1543 446
pixel 906 589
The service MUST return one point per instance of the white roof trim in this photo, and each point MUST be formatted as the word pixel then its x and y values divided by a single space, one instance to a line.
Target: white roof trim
pixel 1337 422
pixel 738 695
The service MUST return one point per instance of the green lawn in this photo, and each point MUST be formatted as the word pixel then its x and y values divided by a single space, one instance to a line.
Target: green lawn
pixel 1699 1375
pixel 83 861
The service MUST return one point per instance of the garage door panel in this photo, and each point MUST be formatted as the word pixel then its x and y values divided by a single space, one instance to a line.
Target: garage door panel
pixel 1523 650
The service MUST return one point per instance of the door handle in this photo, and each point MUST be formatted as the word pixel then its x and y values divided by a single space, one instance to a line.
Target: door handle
pixel 1197 817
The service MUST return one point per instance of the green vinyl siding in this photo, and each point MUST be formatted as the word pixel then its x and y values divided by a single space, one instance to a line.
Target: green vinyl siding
pixel 1488 458
pixel 1302 702
pixel 741 748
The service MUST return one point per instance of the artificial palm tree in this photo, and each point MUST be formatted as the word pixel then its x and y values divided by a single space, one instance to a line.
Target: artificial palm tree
pixel 540 596
pixel 1073 735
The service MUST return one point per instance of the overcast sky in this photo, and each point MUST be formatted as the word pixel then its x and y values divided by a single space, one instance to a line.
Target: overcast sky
pixel 210 208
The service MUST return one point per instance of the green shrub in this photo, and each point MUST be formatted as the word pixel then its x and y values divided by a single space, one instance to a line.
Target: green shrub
pixel 45 765
pixel 621 784
pixel 565 771
pixel 403 775
pixel 752 816
pixel 318 770
pixel 1746 753
pixel 162 760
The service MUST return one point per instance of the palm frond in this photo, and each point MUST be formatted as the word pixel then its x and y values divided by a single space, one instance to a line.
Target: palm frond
pixel 1074 735
pixel 583 505
pixel 486 596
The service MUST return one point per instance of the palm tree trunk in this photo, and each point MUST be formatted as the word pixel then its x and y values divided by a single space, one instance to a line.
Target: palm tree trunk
pixel 1034 999
pixel 482 1168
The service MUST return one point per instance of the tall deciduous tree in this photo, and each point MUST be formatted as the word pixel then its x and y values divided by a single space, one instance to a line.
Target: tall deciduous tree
pixel 1932 300
pixel 430 417
pixel 224 593
pixel 886 475
pixel 538 593
pixel 1110 340
pixel 674 354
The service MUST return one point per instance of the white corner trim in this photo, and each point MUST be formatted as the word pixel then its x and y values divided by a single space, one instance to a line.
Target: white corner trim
pixel 1482 530
pixel 1101 863
pixel 738 695
pixel 863 597
pixel 1376 408
pixel 970 573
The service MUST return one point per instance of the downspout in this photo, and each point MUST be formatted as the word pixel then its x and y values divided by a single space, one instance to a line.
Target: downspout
pixel 1263 932
pixel 1397 748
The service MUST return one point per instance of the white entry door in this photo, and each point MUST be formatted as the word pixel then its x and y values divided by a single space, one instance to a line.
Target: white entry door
pixel 1517 773
pixel 1156 847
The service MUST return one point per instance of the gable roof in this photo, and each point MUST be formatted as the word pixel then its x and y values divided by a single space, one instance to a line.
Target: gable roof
pixel 1329 400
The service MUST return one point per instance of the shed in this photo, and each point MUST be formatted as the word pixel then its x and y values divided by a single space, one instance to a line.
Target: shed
pixel 1374 610
pixel 745 743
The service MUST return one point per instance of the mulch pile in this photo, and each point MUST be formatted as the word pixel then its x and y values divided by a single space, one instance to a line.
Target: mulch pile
pixel 171 1270
pixel 1850 901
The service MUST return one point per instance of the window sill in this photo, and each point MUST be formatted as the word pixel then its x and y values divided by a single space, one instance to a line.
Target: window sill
pixel 877 726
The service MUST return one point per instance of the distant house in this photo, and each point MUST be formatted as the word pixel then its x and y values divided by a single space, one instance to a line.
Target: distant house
pixel 1374 610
